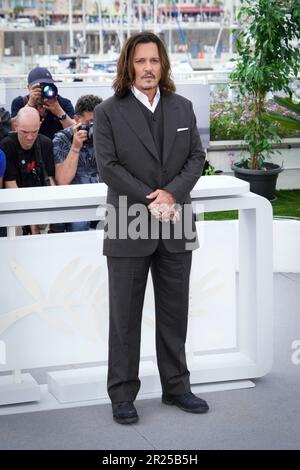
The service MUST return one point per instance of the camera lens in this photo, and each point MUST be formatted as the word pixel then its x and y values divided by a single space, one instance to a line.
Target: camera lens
pixel 83 127
pixel 49 90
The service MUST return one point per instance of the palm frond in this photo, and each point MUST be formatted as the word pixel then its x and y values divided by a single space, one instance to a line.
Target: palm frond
pixel 288 122
pixel 27 280
pixel 287 103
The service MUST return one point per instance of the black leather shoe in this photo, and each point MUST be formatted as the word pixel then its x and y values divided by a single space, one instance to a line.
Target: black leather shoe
pixel 124 412
pixel 186 402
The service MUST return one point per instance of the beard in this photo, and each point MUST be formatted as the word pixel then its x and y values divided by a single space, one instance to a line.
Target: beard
pixel 149 87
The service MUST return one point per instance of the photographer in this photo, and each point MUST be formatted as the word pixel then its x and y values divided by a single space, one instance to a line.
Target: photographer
pixel 29 156
pixel 74 152
pixel 56 113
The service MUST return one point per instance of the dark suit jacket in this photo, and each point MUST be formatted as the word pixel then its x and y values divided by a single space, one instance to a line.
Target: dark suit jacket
pixel 129 164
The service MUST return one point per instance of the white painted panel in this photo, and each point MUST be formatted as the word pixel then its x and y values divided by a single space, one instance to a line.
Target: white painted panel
pixel 54 303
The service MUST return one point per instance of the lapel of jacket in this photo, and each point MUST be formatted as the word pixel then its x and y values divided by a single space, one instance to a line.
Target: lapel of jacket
pixel 132 113
pixel 170 113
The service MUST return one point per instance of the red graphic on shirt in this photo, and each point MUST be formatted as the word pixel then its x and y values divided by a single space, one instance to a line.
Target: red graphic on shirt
pixel 30 166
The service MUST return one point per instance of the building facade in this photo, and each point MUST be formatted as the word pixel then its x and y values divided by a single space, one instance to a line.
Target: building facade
pixel 49 32
pixel 60 8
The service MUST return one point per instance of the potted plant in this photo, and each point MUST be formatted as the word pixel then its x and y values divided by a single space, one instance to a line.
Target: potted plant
pixel 266 62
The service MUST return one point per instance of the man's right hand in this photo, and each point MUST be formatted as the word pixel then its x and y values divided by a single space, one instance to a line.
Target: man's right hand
pixel 79 137
pixel 35 95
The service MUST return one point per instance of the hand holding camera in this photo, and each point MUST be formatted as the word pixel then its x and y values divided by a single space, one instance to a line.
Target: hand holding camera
pixel 35 95
pixel 79 137
pixel 49 96
pixel 53 106
pixel 45 95
pixel 89 129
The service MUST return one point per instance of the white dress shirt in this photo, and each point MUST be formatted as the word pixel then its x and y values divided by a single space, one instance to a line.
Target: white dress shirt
pixel 144 98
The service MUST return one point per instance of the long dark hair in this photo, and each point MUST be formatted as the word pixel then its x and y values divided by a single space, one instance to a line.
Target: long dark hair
pixel 125 70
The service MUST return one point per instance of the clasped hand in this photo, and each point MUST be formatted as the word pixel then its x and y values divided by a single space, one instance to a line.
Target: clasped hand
pixel 163 206
pixel 43 104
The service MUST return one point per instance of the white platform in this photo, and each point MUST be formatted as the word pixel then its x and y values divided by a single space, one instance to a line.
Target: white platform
pixel 85 384
pixel 27 390
pixel 48 401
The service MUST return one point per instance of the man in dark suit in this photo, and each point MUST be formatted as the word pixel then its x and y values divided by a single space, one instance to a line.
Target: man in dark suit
pixel 149 153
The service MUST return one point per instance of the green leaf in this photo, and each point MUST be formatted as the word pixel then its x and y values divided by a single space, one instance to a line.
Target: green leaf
pixel 287 121
pixel 288 103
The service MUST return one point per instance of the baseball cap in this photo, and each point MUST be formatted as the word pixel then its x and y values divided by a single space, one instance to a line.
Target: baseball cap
pixel 39 75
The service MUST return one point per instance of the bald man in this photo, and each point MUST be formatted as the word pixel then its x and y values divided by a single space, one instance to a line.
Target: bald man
pixel 29 155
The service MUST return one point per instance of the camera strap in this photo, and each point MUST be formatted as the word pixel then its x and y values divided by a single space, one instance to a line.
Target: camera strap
pixel 40 161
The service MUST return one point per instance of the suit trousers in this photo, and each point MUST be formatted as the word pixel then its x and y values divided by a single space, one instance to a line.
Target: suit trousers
pixel 127 284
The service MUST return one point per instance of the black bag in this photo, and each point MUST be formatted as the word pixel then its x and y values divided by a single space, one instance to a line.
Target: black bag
pixel 5 123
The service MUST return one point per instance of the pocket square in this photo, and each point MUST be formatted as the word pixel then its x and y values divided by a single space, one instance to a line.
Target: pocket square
pixel 180 129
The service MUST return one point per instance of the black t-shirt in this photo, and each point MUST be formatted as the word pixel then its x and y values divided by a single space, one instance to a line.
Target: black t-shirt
pixel 51 124
pixel 23 166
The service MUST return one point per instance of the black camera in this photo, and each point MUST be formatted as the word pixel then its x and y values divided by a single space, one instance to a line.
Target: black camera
pixel 49 91
pixel 89 128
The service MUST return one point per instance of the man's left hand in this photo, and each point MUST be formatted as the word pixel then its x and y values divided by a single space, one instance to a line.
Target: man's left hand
pixel 160 196
pixel 54 107
pixel 163 206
